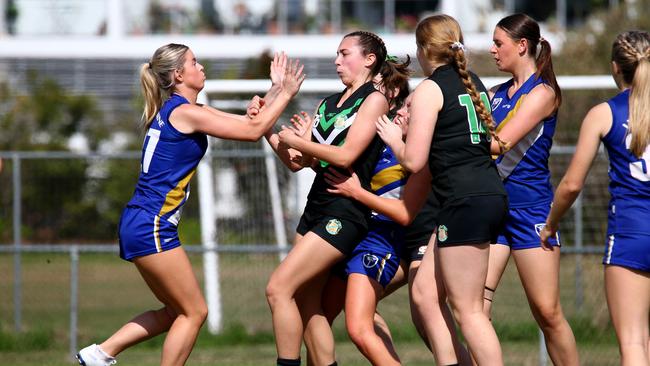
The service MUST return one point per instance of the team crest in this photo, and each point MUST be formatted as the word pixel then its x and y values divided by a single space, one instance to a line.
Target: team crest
pixel 333 226
pixel 422 249
pixel 370 260
pixel 539 228
pixel 496 102
pixel 442 233
pixel 340 122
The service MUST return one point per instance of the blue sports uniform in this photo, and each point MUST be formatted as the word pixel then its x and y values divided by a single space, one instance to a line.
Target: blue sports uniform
pixel 628 232
pixel 169 159
pixel 524 170
pixel 377 255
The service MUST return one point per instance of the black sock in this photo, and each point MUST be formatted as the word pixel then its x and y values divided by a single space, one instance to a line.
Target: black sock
pixel 454 364
pixel 288 362
pixel 334 364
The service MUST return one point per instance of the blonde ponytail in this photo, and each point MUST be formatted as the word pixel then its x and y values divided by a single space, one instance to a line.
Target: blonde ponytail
pixel 157 78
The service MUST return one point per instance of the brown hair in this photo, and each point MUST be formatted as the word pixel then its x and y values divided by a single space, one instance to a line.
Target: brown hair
pixel 394 74
pixel 441 41
pixel 157 78
pixel 631 52
pixel 521 26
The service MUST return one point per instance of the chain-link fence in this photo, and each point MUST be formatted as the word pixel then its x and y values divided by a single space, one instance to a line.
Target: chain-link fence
pixel 62 209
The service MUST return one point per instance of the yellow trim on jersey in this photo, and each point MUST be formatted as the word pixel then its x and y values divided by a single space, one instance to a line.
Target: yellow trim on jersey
pixel 387 176
pixel 156 233
pixel 176 195
pixel 511 113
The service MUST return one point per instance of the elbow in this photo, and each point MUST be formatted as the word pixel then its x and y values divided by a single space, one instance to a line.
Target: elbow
pixel 342 162
pixel 411 166
pixel 572 188
pixel 403 220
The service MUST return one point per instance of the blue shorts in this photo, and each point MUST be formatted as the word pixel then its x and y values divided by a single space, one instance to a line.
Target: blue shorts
pixel 630 250
pixel 376 256
pixel 523 225
pixel 142 233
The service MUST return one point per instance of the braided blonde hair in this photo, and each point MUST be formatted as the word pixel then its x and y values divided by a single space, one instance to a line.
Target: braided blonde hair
pixel 440 39
pixel 631 52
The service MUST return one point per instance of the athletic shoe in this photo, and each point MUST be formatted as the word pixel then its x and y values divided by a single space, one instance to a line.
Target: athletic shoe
pixel 94 356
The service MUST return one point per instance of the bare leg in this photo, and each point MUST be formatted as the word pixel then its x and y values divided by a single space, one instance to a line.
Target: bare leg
pixel 360 305
pixel 499 255
pixel 299 267
pixel 430 312
pixel 464 270
pixel 543 293
pixel 170 277
pixel 628 298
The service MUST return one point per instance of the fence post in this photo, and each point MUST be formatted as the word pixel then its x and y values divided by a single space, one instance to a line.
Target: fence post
pixel 543 352
pixel 276 201
pixel 74 298
pixel 17 224
pixel 577 237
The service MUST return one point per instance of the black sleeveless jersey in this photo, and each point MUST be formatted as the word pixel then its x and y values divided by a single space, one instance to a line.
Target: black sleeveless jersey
pixel 331 126
pixel 459 158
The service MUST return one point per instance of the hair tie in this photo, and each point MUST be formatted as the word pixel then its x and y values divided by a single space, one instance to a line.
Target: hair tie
pixel 457 46
pixel 541 39
pixel 392 58
pixel 150 66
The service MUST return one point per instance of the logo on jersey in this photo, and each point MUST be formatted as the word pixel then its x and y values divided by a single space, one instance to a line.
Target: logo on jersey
pixel 442 233
pixel 422 250
pixel 496 102
pixel 339 123
pixel 333 226
pixel 159 120
pixel 370 260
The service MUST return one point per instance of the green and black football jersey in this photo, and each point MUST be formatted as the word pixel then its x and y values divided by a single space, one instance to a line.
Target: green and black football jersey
pixel 459 158
pixel 331 126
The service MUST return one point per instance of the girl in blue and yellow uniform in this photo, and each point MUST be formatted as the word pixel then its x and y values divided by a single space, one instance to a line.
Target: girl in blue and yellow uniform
pixel 176 138
pixel 525 111
pixel 623 125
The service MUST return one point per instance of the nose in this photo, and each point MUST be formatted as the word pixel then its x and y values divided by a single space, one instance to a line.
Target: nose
pixel 337 60
pixel 493 49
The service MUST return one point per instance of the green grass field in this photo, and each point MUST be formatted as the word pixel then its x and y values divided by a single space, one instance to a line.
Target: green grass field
pixel 111 292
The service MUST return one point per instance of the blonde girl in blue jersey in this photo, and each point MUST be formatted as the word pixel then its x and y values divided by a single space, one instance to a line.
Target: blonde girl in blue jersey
pixel 525 110
pixel 623 125
pixel 176 130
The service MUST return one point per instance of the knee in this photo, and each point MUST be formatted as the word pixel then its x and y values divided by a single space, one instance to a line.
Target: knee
pixel 422 295
pixel 359 333
pixel 274 292
pixel 198 312
pixel 549 315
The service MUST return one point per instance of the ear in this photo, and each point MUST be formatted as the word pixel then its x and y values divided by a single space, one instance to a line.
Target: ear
pixel 178 76
pixel 522 47
pixel 370 59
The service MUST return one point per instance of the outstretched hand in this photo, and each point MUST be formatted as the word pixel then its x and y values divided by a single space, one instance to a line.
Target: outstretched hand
pixel 345 185
pixel 293 77
pixel 388 131
pixel 278 68
pixel 300 125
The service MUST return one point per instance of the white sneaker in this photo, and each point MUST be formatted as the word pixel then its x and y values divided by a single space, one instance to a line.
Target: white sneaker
pixel 94 356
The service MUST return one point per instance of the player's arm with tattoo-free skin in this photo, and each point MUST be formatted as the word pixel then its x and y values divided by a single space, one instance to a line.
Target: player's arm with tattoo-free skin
pixel 188 118
pixel 426 102
pixel 402 211
pixel 292 158
pixel 538 105
pixel 596 124
pixel 359 136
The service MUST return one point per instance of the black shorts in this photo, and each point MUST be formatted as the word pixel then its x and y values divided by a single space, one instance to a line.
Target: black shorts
pixel 415 246
pixel 471 220
pixel 342 234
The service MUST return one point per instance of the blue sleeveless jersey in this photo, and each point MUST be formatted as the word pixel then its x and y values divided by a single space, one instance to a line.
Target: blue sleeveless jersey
pixel 169 160
pixel 629 176
pixel 524 169
pixel 388 179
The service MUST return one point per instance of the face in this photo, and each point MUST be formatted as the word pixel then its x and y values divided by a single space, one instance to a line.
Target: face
pixel 505 51
pixel 351 64
pixel 403 116
pixel 192 74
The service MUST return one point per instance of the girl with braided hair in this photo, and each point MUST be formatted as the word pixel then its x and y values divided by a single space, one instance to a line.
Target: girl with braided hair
pixel 342 137
pixel 450 130
pixel 525 109
pixel 623 125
